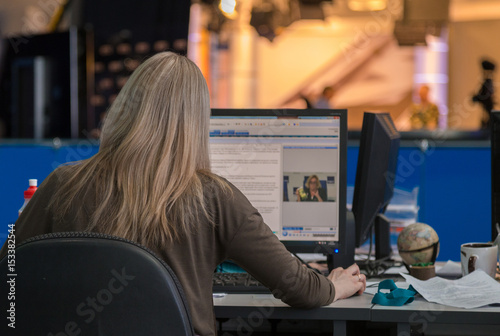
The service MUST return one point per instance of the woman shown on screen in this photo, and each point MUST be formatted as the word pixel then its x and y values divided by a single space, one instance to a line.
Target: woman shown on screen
pixel 312 191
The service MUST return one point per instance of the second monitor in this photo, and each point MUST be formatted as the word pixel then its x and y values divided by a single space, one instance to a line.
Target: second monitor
pixel 375 177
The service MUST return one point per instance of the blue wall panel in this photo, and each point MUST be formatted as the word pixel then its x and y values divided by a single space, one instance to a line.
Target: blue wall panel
pixel 454 191
pixel 458 197
pixel 19 163
pixel 454 182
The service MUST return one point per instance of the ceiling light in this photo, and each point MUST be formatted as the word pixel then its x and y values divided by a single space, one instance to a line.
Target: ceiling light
pixel 228 8
pixel 366 5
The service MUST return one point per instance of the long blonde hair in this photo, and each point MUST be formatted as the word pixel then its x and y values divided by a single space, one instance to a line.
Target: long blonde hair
pixel 153 155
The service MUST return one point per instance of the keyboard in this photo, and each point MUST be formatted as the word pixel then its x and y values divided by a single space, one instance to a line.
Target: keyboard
pixel 237 283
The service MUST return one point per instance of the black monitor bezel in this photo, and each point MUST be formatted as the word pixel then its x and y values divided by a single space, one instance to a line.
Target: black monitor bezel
pixel 366 188
pixel 323 247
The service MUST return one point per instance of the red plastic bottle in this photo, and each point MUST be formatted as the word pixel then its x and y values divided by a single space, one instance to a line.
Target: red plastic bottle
pixel 28 193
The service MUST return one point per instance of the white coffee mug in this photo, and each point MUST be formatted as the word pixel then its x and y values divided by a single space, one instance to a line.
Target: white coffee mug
pixel 481 256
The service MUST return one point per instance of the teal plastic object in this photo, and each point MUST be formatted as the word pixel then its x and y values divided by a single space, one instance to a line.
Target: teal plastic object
pixel 395 297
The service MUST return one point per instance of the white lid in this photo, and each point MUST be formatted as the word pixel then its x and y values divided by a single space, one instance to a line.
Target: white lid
pixel 33 182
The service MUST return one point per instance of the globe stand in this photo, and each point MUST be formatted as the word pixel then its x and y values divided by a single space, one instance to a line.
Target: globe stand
pixel 422 272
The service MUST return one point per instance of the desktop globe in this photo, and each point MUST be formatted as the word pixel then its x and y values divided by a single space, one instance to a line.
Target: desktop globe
pixel 418 243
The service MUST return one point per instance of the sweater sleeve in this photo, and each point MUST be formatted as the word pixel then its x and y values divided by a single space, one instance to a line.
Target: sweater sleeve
pixel 256 248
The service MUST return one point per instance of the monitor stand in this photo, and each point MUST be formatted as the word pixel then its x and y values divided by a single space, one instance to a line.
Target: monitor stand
pixel 383 248
pixel 345 257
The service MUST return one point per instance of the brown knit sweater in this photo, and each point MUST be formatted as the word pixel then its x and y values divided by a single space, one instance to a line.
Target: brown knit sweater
pixel 239 234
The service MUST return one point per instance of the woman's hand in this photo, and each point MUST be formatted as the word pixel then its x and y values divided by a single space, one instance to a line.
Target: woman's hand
pixel 297 192
pixel 316 194
pixel 347 281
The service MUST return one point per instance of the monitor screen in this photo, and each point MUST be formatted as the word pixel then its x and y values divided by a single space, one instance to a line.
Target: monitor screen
pixel 375 173
pixel 291 166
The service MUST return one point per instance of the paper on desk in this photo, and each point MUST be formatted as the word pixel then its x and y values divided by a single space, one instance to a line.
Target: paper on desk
pixel 474 290
pixel 450 269
pixel 371 287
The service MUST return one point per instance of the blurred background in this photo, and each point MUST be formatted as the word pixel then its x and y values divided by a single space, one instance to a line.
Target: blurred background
pixel 430 63
pixel 63 62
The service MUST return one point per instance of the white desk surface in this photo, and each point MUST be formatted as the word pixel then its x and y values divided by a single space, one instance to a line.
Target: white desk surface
pixel 232 305
pixel 360 308
pixel 420 309
pixel 434 319
pixel 259 300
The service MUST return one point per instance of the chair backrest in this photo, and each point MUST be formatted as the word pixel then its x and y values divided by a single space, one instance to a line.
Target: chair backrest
pixel 78 283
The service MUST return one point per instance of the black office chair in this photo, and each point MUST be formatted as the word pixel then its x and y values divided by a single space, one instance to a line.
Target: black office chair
pixel 77 283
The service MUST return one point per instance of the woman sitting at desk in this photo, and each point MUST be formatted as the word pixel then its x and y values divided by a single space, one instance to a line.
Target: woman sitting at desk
pixel 151 183
pixel 312 191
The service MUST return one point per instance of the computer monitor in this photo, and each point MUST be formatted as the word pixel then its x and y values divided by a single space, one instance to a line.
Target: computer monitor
pixel 375 177
pixel 277 158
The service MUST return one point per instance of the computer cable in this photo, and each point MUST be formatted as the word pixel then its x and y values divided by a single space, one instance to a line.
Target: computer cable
pixel 306 264
pixel 376 267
